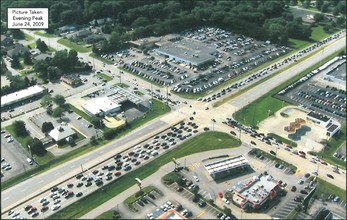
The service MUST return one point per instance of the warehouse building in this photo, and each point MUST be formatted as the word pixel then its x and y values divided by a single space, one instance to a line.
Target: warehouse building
pixel 227 167
pixel 319 119
pixel 32 92
pixel 188 51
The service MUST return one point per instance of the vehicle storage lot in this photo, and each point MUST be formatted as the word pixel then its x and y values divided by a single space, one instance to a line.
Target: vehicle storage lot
pixel 321 96
pixel 237 54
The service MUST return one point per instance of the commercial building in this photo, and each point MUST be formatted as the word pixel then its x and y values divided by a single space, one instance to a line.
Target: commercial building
pixel 22 95
pixel 61 133
pixel 332 129
pixel 188 51
pixel 256 192
pixel 227 167
pixel 319 119
pixel 111 104
pixel 72 80
pixel 101 106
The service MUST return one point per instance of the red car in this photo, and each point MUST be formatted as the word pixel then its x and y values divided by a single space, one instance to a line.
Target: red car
pixel 289 146
pixel 44 208
pixel 117 173
pixel 220 194
pixel 303 156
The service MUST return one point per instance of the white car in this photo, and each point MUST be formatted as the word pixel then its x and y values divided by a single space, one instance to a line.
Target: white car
pixel 55 207
pixel 196 179
pixel 10 139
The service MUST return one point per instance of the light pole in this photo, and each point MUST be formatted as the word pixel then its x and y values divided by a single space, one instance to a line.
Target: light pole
pixel 31 153
pixel 213 121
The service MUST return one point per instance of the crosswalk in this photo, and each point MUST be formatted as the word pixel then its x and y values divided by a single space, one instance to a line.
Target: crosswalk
pixel 194 166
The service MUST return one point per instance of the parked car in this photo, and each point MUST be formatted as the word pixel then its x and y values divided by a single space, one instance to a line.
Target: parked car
pixel 272 152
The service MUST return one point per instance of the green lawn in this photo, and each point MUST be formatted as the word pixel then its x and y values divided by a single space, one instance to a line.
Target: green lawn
pixel 203 142
pixel 123 85
pixel 332 146
pixel 145 190
pixel 22 140
pixel 106 215
pixel 28 37
pixel 105 76
pixel 327 188
pixel 72 45
pixel 138 93
pixel 45 34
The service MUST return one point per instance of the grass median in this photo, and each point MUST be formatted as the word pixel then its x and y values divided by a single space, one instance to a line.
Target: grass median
pixel 204 142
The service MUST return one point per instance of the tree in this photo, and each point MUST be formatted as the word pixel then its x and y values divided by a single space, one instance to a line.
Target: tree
pixel 27 59
pixel 59 100
pixel 109 134
pixel 15 62
pixel 41 45
pixel 58 112
pixel 36 147
pixel 319 4
pixel 46 100
pixel 318 17
pixel 97 122
pixel 93 141
pixel 19 128
pixel 72 58
pixel 47 127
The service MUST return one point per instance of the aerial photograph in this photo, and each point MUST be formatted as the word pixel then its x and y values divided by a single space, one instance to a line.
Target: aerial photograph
pixel 173 109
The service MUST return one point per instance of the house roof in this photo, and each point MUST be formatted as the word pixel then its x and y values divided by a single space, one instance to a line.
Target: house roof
pixel 61 132
pixel 17 49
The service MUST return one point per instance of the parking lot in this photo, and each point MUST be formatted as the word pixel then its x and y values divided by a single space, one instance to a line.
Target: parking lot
pixel 316 93
pixel 13 159
pixel 235 55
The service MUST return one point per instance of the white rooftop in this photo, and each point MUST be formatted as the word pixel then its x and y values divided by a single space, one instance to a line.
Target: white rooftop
pixel 61 132
pixel 100 104
pixel 21 95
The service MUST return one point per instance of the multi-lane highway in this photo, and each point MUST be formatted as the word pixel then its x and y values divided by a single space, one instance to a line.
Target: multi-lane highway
pixel 39 183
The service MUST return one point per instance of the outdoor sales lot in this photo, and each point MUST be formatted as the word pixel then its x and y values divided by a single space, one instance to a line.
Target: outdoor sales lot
pixel 322 96
pixel 237 54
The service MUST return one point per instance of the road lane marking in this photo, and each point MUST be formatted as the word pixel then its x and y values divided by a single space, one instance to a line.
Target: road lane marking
pixel 40 181
pixel 23 190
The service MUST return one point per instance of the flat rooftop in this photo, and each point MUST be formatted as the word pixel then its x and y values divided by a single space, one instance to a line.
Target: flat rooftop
pixel 119 95
pixel 21 95
pixel 171 214
pixel 339 72
pixel 258 189
pixel 318 116
pixel 226 164
pixel 188 50
pixel 104 104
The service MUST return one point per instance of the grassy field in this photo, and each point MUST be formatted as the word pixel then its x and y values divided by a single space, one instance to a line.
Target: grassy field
pixel 45 34
pixel 105 76
pixel 204 142
pixel 327 188
pixel 28 37
pixel 78 48
pixel 260 109
pixel 331 147
pixel 138 93
pixel 106 215
pixel 131 199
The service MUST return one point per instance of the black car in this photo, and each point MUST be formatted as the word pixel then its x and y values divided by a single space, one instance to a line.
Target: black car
pixel 26 208
pixel 293 189
pixel 298 198
pixel 272 152
pixel 252 142
pixel 202 203
pixel 303 192
pixel 79 194
pixel 233 133
pixel 330 176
